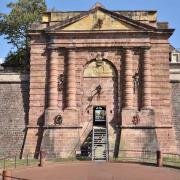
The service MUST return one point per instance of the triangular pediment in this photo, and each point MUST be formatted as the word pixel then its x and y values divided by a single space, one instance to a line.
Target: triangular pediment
pixel 100 19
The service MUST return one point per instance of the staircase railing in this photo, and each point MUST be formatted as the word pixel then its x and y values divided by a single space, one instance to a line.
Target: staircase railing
pixel 100 141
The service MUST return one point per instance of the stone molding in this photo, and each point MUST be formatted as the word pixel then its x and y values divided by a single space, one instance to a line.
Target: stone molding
pixel 14 77
pixel 144 127
pixel 54 127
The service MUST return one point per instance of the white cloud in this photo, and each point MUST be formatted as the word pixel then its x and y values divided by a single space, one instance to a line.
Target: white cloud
pixel 1 60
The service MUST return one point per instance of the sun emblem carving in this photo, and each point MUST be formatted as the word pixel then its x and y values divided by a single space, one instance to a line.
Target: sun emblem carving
pixel 98 24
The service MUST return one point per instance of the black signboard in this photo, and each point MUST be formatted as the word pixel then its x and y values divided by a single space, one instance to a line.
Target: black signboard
pixel 99 115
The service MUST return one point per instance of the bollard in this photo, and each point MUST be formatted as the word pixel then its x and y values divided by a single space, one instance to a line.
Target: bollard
pixel 15 162
pixel 42 158
pixel 159 158
pixel 27 160
pixel 4 163
pixel 6 175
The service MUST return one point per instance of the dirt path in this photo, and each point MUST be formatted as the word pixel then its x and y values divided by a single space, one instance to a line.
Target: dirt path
pixel 97 171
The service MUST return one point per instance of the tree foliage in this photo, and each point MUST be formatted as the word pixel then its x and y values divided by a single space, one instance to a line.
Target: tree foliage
pixel 15 25
pixel 16 59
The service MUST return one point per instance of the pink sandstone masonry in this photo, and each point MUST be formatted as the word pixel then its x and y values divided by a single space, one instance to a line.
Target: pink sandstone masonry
pixel 134 80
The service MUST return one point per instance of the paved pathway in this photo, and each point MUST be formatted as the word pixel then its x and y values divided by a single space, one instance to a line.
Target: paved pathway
pixel 97 171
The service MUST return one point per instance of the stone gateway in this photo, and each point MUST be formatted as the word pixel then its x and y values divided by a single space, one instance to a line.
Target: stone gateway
pixel 99 85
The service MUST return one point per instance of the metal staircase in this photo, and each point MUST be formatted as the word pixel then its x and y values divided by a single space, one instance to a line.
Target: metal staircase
pixel 100 143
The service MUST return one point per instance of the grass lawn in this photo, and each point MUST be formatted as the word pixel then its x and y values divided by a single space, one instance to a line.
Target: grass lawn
pixel 171 161
pixel 13 163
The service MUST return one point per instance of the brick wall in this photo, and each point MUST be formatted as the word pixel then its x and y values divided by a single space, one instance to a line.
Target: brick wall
pixel 14 103
pixel 176 110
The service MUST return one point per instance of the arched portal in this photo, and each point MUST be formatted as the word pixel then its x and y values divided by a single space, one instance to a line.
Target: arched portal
pixel 100 93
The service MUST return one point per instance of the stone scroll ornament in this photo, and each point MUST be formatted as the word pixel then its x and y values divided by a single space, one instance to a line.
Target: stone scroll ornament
pixel 99 59
pixel 60 82
pixel 135 81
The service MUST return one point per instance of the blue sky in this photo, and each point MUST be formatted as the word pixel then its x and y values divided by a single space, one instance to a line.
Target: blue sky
pixel 168 10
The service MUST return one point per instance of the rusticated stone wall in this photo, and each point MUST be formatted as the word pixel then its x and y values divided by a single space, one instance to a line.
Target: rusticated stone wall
pixel 154 110
pixel 14 102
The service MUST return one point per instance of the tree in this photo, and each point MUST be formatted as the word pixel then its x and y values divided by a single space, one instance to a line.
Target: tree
pixel 15 25
pixel 16 59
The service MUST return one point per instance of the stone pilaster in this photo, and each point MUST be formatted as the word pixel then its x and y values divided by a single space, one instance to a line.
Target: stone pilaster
pixel 71 79
pixel 53 80
pixel 128 99
pixel 147 80
pixel 52 109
